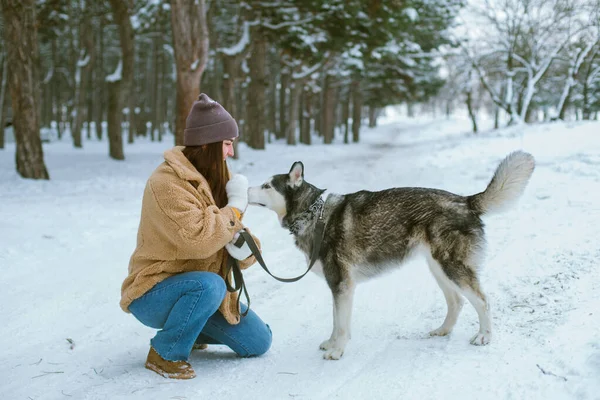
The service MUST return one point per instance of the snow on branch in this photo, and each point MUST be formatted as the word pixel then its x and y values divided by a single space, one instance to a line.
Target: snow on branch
pixel 117 75
pixel 286 24
pixel 49 75
pixel 593 75
pixel 241 45
pixel 83 62
pixel 308 71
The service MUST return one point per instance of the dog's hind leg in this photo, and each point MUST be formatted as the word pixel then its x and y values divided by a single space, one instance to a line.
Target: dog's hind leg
pixel 454 300
pixel 343 295
pixel 467 282
pixel 459 253
pixel 476 297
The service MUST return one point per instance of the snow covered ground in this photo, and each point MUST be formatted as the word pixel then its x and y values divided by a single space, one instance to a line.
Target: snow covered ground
pixel 65 245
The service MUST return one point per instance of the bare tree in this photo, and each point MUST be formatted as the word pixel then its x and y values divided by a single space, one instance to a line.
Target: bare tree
pixel 20 38
pixel 575 62
pixel 191 41
pixel 527 35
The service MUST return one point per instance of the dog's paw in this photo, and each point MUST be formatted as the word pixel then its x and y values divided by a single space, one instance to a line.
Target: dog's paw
pixel 334 353
pixel 326 345
pixel 441 331
pixel 481 338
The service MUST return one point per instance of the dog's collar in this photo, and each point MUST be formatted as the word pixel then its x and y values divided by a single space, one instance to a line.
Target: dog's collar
pixel 315 209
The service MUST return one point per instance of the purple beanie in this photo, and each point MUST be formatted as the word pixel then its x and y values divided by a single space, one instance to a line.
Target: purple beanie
pixel 208 122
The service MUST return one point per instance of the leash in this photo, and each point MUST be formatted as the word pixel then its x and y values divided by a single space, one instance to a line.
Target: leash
pixel 313 257
pixel 232 264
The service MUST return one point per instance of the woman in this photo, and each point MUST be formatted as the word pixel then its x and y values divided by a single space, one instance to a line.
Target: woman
pixel 191 214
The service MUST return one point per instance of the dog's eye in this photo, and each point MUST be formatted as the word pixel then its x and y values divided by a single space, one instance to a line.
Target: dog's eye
pixel 266 186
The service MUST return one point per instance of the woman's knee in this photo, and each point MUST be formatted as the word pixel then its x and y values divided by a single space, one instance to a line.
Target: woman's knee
pixel 260 341
pixel 264 344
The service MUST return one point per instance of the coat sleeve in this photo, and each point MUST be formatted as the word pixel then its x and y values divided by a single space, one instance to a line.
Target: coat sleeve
pixel 200 230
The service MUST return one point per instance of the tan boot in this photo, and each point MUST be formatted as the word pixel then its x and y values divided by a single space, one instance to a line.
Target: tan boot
pixel 169 369
pixel 200 346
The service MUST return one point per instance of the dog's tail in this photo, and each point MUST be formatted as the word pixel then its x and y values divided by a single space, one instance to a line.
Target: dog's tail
pixel 507 184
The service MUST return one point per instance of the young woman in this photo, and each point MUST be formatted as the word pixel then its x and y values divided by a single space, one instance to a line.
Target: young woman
pixel 191 213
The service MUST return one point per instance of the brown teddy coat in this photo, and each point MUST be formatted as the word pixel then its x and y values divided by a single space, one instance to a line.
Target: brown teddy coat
pixel 181 230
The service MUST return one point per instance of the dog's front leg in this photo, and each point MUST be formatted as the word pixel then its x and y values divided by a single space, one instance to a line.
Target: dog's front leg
pixel 327 344
pixel 343 296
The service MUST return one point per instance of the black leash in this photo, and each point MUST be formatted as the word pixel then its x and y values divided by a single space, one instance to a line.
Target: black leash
pixel 238 280
pixel 232 264
pixel 313 257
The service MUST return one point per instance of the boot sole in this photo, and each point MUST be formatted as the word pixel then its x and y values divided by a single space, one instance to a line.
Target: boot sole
pixel 165 374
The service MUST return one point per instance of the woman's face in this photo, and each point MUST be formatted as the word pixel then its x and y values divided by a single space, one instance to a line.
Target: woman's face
pixel 227 149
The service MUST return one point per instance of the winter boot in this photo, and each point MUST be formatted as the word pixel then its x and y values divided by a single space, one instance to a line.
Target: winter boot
pixel 169 369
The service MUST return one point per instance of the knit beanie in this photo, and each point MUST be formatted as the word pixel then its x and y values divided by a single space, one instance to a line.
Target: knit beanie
pixel 208 122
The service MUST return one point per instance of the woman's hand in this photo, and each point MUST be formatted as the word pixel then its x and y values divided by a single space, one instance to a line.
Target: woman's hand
pixel 237 192
pixel 239 253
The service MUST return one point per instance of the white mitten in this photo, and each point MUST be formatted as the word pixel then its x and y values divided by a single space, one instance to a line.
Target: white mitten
pixel 237 192
pixel 239 253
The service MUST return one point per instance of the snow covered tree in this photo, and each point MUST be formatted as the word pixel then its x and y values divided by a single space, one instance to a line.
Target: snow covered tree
pixel 521 41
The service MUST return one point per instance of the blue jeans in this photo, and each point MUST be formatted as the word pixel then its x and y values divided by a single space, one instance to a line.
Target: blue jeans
pixel 184 308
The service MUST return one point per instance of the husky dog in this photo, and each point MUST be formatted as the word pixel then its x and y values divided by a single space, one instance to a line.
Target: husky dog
pixel 368 233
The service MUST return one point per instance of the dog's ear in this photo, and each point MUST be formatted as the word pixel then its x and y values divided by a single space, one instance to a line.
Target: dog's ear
pixel 296 174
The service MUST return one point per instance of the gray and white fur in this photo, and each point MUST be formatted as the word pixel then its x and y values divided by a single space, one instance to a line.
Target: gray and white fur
pixel 369 233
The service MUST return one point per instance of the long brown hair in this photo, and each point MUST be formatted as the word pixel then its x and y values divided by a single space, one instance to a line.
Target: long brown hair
pixel 208 160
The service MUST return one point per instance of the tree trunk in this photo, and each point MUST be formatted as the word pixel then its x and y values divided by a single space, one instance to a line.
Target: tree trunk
pixel 255 102
pixel 587 111
pixel 328 110
pixel 156 103
pixel 356 110
pixel 295 93
pixel 84 66
pixel 306 117
pixel 300 114
pixel 90 104
pixel 131 116
pixel 100 85
pixel 4 107
pixel 372 117
pixel 119 88
pixel 469 102
pixel 346 117
pixel 498 108
pixel 190 41
pixel 20 39
pixel 55 105
pixel 115 138
pixel 283 90
pixel 3 87
pixel 230 66
pixel 272 112
pixel 47 99
pixel 122 15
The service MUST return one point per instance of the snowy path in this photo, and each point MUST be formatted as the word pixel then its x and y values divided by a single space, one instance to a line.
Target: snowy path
pixel 65 246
